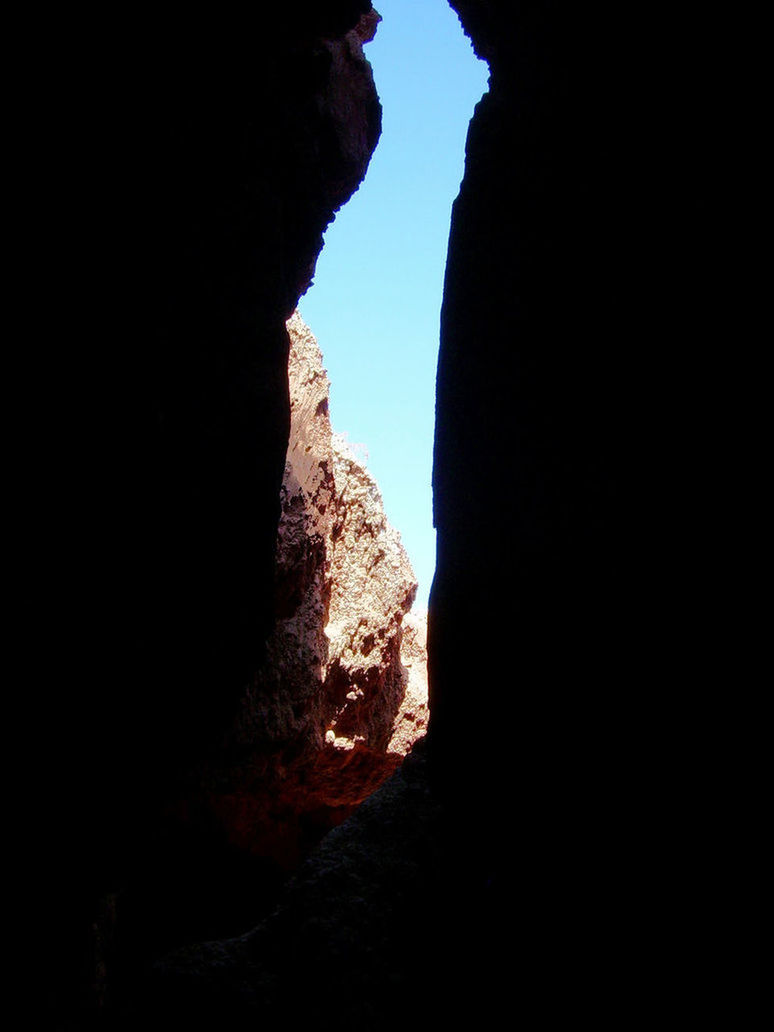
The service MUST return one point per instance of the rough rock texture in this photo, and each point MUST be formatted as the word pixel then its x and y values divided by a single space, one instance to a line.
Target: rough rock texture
pixel 345 583
pixel 413 713
pixel 365 678
pixel 340 699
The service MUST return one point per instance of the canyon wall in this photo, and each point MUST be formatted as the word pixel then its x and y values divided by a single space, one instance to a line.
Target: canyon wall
pixel 198 159
pixel 341 696
pixel 586 265
pixel 536 859
pixel 344 583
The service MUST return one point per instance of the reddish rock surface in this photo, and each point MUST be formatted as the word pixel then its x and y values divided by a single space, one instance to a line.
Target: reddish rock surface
pixel 342 696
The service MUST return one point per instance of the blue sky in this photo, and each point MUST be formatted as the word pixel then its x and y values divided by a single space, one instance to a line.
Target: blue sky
pixel 375 303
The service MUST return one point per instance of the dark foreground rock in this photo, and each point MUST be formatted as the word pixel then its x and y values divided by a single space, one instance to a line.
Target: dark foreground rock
pixel 586 458
pixel 199 158
pixel 390 923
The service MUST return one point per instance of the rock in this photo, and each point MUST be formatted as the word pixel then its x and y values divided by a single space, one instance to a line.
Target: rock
pixel 372 588
pixel 384 926
pixel 412 717
pixel 206 156
pixel 342 696
pixel 556 863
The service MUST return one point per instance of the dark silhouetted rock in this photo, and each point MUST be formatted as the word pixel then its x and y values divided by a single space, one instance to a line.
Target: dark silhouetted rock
pixel 199 158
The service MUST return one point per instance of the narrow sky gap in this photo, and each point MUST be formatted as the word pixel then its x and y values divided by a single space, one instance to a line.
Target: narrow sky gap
pixel 375 303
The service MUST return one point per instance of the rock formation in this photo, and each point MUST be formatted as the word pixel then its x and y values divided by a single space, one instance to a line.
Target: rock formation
pixel 342 695
pixel 355 588
pixel 206 154
pixel 560 879
pixel 567 847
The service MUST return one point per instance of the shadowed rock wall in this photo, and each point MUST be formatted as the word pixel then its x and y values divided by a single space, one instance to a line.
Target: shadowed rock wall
pixel 586 265
pixel 198 160
pixel 585 274
pixel 534 381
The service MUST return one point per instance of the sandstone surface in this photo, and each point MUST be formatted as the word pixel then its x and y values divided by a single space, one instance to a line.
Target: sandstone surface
pixel 342 696
pixel 353 601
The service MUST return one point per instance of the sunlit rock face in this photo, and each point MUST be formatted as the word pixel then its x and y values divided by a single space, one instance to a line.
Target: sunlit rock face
pixel 411 720
pixel 342 696
pixel 372 588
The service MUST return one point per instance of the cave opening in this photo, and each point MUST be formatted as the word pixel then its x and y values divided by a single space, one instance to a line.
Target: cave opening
pixel 569 864
pixel 355 555
pixel 196 818
pixel 340 697
pixel 375 302
pixel 356 542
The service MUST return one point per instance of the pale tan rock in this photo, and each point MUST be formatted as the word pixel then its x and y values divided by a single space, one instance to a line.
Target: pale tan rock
pixel 411 721
pixel 365 586
pixel 372 588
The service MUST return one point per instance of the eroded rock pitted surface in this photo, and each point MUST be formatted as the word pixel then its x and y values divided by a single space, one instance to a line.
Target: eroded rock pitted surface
pixel 372 588
pixel 342 696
